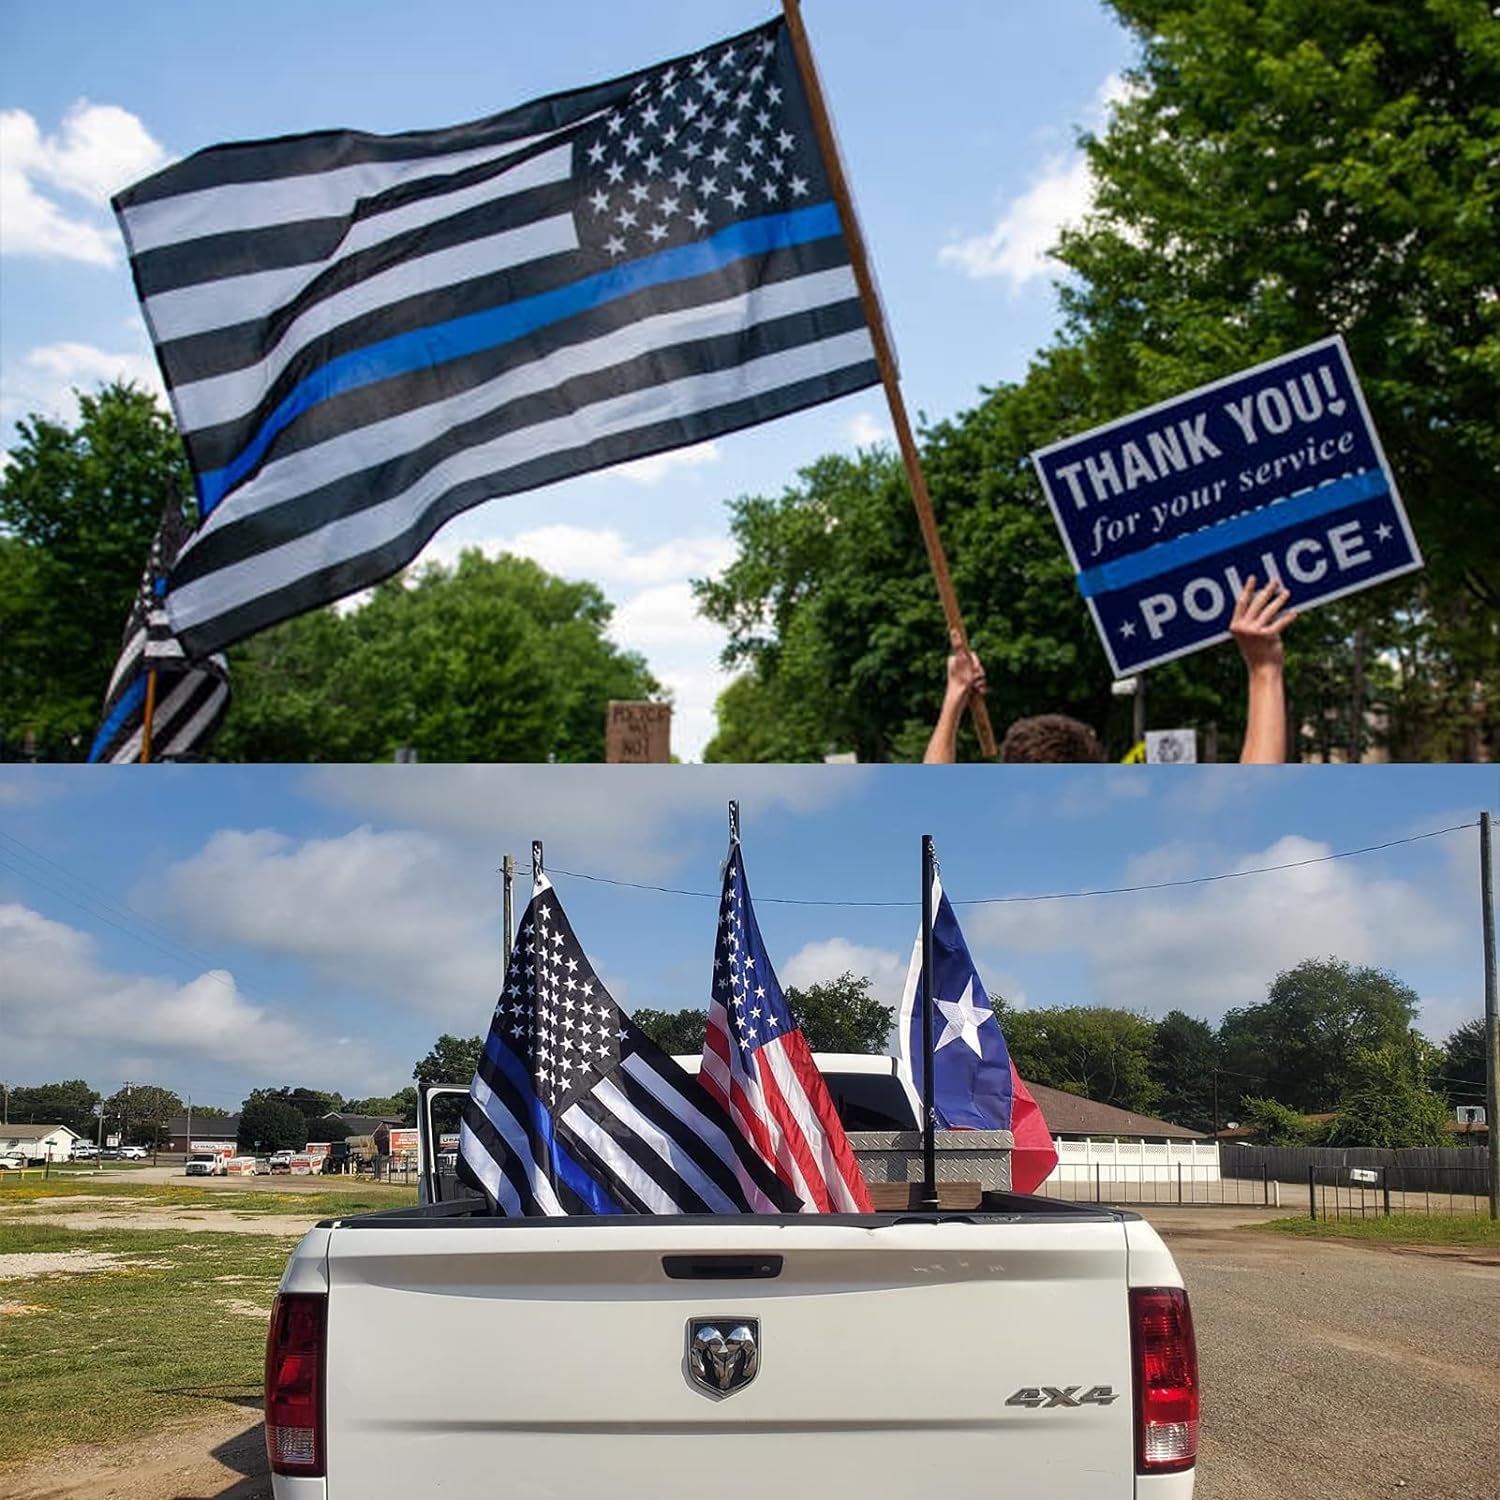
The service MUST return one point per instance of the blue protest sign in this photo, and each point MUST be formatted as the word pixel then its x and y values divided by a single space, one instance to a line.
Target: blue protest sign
pixel 1275 472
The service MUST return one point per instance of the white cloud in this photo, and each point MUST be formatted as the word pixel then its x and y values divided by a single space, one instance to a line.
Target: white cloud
pixel 816 963
pixel 1206 948
pixel 1016 248
pixel 866 430
pixel 396 913
pixel 649 471
pixel 98 149
pixel 46 380
pixel 65 1011
pixel 598 553
pixel 626 825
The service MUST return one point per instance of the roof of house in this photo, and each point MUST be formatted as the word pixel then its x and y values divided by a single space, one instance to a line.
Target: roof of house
pixel 34 1132
pixel 1072 1114
pixel 362 1124
pixel 206 1127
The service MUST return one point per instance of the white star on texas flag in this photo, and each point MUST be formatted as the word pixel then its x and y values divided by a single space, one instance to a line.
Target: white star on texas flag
pixel 963 1019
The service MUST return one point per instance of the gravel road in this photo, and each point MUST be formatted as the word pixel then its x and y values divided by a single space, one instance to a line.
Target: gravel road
pixel 1335 1371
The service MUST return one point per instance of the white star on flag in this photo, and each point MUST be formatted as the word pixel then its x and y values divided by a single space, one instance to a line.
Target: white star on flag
pixel 963 1019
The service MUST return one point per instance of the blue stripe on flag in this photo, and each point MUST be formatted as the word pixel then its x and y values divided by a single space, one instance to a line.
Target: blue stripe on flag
pixel 130 700
pixel 459 337
pixel 563 1165
pixel 1250 527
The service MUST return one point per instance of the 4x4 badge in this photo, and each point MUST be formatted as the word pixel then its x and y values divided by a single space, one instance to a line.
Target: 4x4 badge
pixel 1034 1396
pixel 723 1354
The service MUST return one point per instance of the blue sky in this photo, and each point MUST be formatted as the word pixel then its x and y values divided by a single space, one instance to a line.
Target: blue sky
pixel 218 928
pixel 957 122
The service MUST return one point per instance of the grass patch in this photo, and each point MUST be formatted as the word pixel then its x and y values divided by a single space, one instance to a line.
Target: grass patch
pixel 1399 1229
pixel 93 1356
pixel 75 1193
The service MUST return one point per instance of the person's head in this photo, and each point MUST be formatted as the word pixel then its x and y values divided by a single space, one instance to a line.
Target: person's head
pixel 1050 737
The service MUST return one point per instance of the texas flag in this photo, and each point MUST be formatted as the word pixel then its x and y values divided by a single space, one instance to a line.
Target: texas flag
pixel 975 1084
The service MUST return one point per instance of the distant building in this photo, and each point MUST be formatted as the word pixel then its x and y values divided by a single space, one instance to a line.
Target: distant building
pixel 1099 1142
pixel 38 1142
pixel 361 1124
pixel 208 1131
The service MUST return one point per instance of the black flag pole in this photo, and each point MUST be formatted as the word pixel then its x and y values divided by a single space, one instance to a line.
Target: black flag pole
pixel 536 861
pixel 734 823
pixel 929 1111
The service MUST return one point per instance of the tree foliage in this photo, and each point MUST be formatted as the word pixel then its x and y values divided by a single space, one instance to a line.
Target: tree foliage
pixel 79 506
pixel 269 1123
pixel 402 1105
pixel 1274 1124
pixel 452 1059
pixel 141 1111
pixel 840 1015
pixel 679 1032
pixel 70 1103
pixel 1098 1052
pixel 1462 1067
pixel 1388 1103
pixel 1277 172
pixel 491 660
pixel 311 1104
pixel 1182 1058
pixel 1305 1038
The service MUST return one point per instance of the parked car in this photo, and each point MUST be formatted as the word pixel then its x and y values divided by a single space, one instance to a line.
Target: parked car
pixel 110 1153
pixel 84 1150
pixel 12 1162
pixel 262 1165
pixel 281 1162
pixel 133 1153
pixel 207 1164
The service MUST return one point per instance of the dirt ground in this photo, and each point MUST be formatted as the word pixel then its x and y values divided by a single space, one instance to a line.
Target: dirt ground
pixel 1331 1371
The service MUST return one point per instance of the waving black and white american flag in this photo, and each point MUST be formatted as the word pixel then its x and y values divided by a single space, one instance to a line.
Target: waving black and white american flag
pixel 364 335
pixel 574 1110
pixel 191 697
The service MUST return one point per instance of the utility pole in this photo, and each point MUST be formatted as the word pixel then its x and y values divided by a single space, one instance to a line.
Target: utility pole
pixel 1491 1011
pixel 508 871
pixel 5 1090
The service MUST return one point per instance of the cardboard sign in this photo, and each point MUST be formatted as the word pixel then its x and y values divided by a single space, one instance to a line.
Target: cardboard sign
pixel 1275 472
pixel 638 733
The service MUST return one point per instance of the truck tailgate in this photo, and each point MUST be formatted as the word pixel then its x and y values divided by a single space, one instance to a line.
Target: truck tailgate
pixel 537 1360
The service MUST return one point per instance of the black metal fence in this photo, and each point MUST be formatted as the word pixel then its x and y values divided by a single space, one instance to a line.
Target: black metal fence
pixel 1336 1192
pixel 1179 1183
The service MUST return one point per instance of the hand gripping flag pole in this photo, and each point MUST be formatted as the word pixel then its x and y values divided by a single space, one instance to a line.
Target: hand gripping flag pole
pixel 885 358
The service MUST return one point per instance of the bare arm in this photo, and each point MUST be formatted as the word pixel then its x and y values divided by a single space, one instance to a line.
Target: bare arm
pixel 965 676
pixel 1259 619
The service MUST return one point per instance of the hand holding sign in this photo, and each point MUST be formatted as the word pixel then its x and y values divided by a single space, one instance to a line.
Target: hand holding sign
pixel 1258 622
pixel 1275 473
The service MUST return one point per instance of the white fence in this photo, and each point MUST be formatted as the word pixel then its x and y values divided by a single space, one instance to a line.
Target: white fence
pixel 1136 1161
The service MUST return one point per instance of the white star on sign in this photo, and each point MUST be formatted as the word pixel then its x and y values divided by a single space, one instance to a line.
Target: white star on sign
pixel 963 1020
pixel 1383 533
pixel 1127 628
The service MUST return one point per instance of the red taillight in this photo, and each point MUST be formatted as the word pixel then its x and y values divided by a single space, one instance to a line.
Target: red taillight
pixel 1166 1380
pixel 295 1350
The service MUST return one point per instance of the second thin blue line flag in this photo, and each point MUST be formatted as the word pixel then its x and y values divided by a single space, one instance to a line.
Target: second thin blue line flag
pixel 363 336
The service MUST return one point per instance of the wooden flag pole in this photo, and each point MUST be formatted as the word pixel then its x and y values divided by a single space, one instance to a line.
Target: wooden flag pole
pixel 884 358
pixel 148 715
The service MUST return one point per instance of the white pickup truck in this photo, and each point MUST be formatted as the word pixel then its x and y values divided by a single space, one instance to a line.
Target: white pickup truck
pixel 1028 1349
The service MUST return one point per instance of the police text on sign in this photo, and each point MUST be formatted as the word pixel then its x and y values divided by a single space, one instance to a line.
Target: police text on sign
pixel 1276 472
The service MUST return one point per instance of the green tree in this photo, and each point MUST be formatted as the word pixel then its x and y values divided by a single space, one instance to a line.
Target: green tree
pixel 70 1103
pixel 141 1110
pixel 1317 1017
pixel 679 1032
pixel 79 506
pixel 311 1104
pixel 1461 1064
pixel 401 1105
pixel 1388 1103
pixel 840 1015
pixel 270 1124
pixel 1184 1054
pixel 453 1059
pixel 491 660
pixel 1283 171
pixel 1274 1124
pixel 209 1112
pixel 1095 1051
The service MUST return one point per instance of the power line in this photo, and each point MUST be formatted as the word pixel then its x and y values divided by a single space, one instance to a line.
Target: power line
pixel 1114 890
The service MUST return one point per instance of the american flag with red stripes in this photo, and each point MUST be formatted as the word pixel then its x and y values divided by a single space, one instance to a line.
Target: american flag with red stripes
pixel 758 1066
